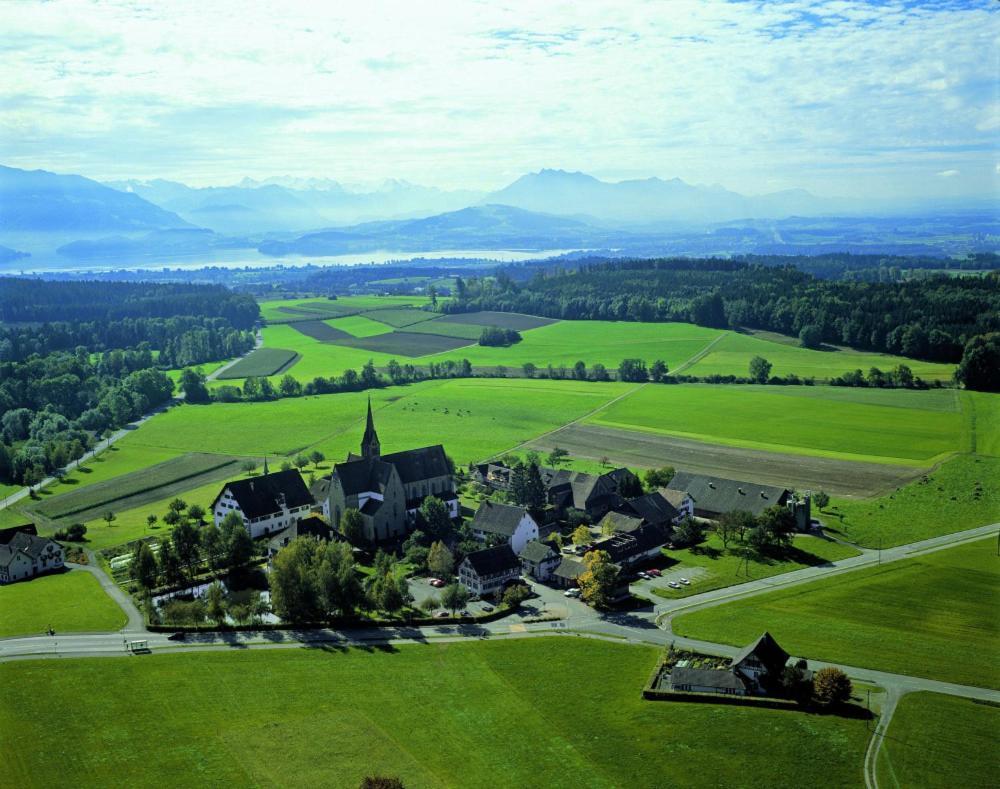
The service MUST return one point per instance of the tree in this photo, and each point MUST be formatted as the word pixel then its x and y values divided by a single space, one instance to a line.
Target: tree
pixel 177 505
pixel 658 371
pixel 580 371
pixel 454 597
pixel 630 487
pixel 215 603
pixel 831 687
pixel 436 519
pixel 33 475
pixel 810 336
pixel 598 581
pixel 248 467
pixel 794 683
pixel 109 517
pixel 289 386
pixel 515 595
pixel 212 547
pixel 301 461
pixel 430 603
pixel 821 499
pixel 170 564
pixel 556 456
pixel 633 370
pixel 352 526
pixel 658 477
pixel 151 520
pixel 979 367
pixel 295 592
pixel 187 544
pixel 143 567
pixel 316 457
pixel 529 370
pixel 779 524
pixel 760 370
pixel 171 517
pixel 689 532
pixel 731 525
pixel 196 513
pixel 192 383
pixel 440 560
pixel 534 487
pixel 237 543
pixel 286 465
pixel 581 535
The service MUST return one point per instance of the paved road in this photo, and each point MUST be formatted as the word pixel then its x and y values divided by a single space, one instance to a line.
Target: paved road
pixel 118 435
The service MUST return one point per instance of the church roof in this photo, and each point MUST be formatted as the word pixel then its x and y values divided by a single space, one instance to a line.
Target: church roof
pixel 257 496
pixel 363 475
pixel 370 436
pixel 414 465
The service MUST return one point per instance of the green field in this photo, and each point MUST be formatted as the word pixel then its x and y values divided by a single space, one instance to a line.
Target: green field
pixel 732 355
pixel 261 362
pixel 933 616
pixel 72 601
pixel 941 741
pixel 399 317
pixel 271 310
pixel 472 418
pixel 960 494
pixel 466 331
pixel 710 566
pixel 912 428
pixel 359 326
pixel 542 712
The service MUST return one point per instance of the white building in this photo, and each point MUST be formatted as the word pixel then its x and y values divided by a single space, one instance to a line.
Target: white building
pixel 488 571
pixel 27 555
pixel 266 504
pixel 512 524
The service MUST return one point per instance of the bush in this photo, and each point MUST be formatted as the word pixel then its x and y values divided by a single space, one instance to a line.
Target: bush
pixel 74 533
pixel 831 686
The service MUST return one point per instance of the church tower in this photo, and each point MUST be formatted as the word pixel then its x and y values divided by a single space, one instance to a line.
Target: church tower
pixel 370 447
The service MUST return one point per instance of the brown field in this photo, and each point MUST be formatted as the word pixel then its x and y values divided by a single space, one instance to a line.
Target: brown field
pixel 505 320
pixel 398 317
pixel 626 447
pixel 321 331
pixel 408 344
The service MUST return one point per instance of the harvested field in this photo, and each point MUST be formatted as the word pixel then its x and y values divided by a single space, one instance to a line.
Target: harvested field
pixel 321 331
pixel 263 361
pixel 410 344
pixel 505 320
pixel 138 488
pixel 840 477
pixel 465 331
pixel 398 317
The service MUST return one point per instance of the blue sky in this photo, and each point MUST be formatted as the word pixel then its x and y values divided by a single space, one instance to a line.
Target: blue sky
pixel 842 98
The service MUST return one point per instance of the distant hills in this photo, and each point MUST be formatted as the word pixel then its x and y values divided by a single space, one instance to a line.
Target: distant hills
pixel 41 202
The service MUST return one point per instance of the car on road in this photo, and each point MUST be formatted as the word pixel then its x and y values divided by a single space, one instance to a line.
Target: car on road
pixel 673 585
pixel 574 592
pixel 488 609
pixel 440 614
pixel 179 636
pixel 685 581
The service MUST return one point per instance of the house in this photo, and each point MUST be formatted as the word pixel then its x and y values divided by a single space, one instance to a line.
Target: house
pixel 388 489
pixel 539 560
pixel 513 525
pixel 634 547
pixel 488 571
pixel 756 670
pixel 713 496
pixel 493 475
pixel 311 526
pixel 594 494
pixel 679 500
pixel 567 573
pixel 26 555
pixel 654 509
pixel 268 503
pixel 618 521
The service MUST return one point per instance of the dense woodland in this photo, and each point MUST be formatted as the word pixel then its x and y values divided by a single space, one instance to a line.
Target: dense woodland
pixel 927 318
pixel 79 358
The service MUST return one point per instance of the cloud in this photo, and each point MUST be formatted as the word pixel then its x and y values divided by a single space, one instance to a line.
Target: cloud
pixel 753 95
pixel 948 173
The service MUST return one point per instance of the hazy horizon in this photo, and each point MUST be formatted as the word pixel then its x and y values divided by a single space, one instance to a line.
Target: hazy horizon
pixel 842 99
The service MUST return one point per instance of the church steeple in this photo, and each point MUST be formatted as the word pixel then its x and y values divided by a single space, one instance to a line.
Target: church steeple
pixel 370 447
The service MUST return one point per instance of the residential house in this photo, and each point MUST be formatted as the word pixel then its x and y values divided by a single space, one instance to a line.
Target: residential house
pixel 713 496
pixel 654 509
pixel 488 571
pixel 312 526
pixel 594 494
pixel 706 680
pixel 493 475
pixel 756 670
pixel 567 573
pixel 268 503
pixel 631 548
pixel 618 521
pixel 680 501
pixel 539 560
pixel 26 555
pixel 388 489
pixel 514 525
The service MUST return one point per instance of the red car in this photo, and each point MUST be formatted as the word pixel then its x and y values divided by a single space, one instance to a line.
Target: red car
pixel 654 572
pixel 437 583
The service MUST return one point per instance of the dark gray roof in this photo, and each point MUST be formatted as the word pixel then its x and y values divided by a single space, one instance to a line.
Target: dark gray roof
pixel 371 506
pixel 415 465
pixel 259 496
pixel 718 495
pixel 362 475
pixel 491 561
pixel 496 518
pixel 706 678
pixel 766 650
pixel 674 497
pixel 307 527
pixel 623 546
pixel 653 508
pixel 6 535
pixel 570 568
pixel 30 545
pixel 535 551
pixel 620 521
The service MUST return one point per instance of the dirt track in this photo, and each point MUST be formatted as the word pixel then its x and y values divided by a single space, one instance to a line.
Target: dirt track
pixel 840 477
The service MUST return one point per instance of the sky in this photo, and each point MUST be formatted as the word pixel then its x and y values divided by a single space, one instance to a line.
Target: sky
pixel 892 100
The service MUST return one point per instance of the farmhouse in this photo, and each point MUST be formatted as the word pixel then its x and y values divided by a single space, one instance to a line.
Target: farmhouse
pixel 713 496
pixel 539 560
pixel 513 525
pixel 388 489
pixel 756 670
pixel 26 555
pixel 268 503
pixel 679 500
pixel 493 475
pixel 488 571
pixel 633 547
pixel 567 573
pixel 594 494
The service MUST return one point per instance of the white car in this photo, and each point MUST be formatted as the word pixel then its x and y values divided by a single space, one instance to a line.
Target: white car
pixel 685 581
pixel 644 575
pixel 574 592
pixel 673 585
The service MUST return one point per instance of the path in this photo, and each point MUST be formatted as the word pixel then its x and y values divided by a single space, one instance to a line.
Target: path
pixel 878 737
pixel 136 622
pixel 700 355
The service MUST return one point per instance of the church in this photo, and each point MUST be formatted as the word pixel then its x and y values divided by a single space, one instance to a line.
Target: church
pixel 388 489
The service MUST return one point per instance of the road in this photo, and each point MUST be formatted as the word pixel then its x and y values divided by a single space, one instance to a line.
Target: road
pixel 118 435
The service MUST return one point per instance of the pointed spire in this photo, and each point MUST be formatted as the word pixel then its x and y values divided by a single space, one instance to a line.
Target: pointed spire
pixel 266 472
pixel 370 447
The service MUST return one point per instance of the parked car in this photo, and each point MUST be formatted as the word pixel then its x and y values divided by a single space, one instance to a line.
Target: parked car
pixel 488 609
pixel 654 572
pixel 179 636
pixel 685 581
pixel 643 575
pixel 440 614
pixel 437 583
pixel 674 585
pixel 574 592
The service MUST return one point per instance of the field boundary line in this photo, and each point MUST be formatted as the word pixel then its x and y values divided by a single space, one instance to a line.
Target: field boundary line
pixel 700 355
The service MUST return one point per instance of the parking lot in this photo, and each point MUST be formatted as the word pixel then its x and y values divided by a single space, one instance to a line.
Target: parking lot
pixel 547 602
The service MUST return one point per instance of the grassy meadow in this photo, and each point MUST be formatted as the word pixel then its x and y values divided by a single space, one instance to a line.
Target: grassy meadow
pixel 961 493
pixel 72 601
pixel 732 355
pixel 912 428
pixel 534 712
pixel 941 741
pixel 934 616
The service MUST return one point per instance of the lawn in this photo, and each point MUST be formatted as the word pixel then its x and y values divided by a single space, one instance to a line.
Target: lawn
pixel 472 418
pixel 934 616
pixel 732 355
pixel 359 326
pixel 709 566
pixel 69 601
pixel 261 362
pixel 960 494
pixel 912 428
pixel 941 741
pixel 483 714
